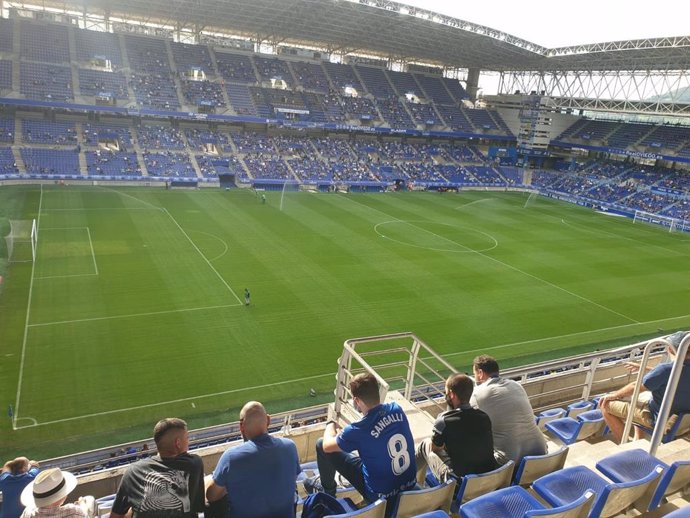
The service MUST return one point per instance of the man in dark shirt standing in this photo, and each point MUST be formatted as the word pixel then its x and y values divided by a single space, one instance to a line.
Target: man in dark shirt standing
pixel 462 441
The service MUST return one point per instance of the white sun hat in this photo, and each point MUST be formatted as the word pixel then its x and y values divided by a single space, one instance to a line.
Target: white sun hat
pixel 48 487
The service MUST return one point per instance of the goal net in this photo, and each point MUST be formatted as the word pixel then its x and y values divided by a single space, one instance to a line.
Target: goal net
pixel 673 224
pixel 21 241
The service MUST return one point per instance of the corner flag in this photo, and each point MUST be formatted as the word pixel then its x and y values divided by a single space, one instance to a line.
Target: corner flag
pixel 10 413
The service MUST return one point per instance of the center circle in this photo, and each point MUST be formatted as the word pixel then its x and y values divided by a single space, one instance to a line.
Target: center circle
pixel 437 237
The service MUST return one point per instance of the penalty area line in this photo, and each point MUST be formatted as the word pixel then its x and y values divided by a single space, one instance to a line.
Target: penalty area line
pixel 181 400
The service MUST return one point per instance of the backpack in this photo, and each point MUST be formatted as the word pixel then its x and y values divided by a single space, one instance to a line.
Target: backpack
pixel 318 505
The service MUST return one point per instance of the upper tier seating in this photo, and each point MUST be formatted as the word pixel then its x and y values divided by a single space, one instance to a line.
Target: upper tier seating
pixel 197 92
pixel 92 44
pixel 6 35
pixel 46 82
pixel 311 76
pixel 273 68
pixel 455 89
pixel 376 82
pixel 405 83
pixel 93 82
pixel 44 42
pixel 434 88
pixel 235 67
pixel 241 99
pixel 5 74
pixel 188 57
pixel 343 76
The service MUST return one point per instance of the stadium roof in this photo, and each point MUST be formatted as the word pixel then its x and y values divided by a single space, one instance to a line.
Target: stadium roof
pixel 390 30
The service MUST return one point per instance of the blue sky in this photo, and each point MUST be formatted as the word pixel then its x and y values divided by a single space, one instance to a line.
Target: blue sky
pixel 556 23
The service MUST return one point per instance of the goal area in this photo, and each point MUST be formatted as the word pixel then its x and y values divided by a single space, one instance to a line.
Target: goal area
pixel 22 240
pixel 673 224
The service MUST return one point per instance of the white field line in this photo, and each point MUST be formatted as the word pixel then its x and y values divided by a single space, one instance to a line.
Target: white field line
pixel 132 315
pixel 93 253
pixel 28 316
pixel 67 276
pixel 64 228
pixel 46 211
pixel 569 335
pixel 317 376
pixel 506 265
pixel 202 255
pixel 181 400
pixel 132 197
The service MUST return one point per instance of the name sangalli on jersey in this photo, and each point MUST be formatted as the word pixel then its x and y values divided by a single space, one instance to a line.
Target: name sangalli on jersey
pixel 385 421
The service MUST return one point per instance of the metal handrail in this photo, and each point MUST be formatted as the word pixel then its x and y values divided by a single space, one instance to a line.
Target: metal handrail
pixel 670 394
pixel 638 383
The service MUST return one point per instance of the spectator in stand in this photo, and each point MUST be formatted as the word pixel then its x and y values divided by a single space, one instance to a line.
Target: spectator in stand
pixel 15 476
pixel 170 483
pixel 258 477
pixel 461 441
pixel 386 462
pixel 512 418
pixel 45 496
pixel 647 408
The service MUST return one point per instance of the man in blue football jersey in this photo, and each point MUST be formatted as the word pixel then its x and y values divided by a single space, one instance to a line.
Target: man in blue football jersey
pixel 386 462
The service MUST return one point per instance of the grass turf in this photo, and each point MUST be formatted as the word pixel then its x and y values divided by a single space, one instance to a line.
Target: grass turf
pixel 135 306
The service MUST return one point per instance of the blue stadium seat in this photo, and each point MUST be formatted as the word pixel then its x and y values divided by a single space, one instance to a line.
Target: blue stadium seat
pixel 433 514
pixel 516 502
pixel 683 512
pixel 569 430
pixel 549 415
pixel 567 485
pixel 635 464
pixel 574 409
pixel 532 467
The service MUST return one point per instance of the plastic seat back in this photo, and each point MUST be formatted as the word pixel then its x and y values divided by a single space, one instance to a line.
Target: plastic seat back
pixel 675 479
pixel 414 502
pixel 532 467
pixel 473 486
pixel 616 498
pixel 577 509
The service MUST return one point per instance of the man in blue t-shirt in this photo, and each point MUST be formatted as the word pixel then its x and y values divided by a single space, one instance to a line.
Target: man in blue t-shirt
pixel 646 411
pixel 386 462
pixel 260 475
pixel 15 476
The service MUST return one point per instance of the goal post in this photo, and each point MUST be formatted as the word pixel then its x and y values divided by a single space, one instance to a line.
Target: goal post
pixel 22 241
pixel 673 224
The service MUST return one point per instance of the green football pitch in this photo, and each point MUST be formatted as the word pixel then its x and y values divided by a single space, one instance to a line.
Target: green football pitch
pixel 134 310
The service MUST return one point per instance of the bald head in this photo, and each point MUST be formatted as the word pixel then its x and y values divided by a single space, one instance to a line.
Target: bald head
pixel 253 420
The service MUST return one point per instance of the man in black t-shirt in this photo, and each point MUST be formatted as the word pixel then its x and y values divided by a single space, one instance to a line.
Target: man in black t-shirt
pixel 167 485
pixel 461 440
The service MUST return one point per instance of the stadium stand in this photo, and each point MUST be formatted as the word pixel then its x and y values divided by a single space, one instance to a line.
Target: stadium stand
pixel 45 43
pixel 92 47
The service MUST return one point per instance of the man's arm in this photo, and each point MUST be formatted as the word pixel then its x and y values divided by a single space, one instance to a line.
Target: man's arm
pixel 330 445
pixel 214 492
pixel 621 393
